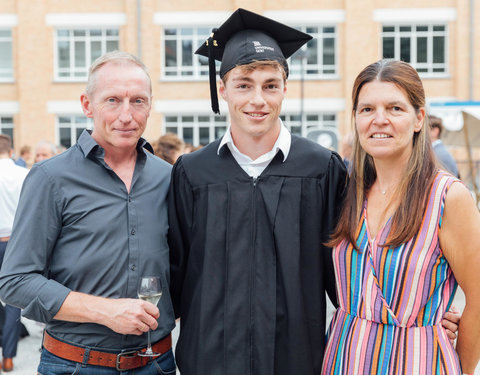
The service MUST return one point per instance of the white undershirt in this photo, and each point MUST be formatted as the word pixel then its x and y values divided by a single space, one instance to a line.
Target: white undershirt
pixel 255 167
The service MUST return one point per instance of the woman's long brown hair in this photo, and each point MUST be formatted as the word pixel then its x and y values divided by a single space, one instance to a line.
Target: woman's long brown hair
pixel 418 176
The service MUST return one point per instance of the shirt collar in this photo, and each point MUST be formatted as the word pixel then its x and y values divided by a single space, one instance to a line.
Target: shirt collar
pixel 7 161
pixel 436 142
pixel 88 144
pixel 282 143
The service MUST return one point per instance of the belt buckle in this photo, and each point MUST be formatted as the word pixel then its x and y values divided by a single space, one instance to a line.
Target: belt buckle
pixel 124 354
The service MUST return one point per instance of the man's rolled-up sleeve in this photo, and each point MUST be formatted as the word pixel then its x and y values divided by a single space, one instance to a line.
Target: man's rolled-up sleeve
pixel 24 279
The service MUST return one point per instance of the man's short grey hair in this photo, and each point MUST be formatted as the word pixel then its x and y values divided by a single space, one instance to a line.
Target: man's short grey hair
pixel 50 146
pixel 116 57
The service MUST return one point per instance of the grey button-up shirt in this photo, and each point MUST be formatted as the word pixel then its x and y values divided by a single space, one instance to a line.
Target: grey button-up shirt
pixel 78 229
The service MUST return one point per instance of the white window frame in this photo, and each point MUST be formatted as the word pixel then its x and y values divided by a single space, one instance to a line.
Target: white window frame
pixel 8 22
pixel 81 21
pixel 418 17
pixel 321 106
pixel 72 126
pixel 309 18
pixel 413 34
pixel 87 39
pixel 8 72
pixel 9 126
pixel 319 18
pixel 319 122
pixel 194 20
pixel 212 124
pixel 197 69
pixel 318 37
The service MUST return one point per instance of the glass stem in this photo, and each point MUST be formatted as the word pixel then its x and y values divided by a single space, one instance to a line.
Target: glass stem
pixel 149 346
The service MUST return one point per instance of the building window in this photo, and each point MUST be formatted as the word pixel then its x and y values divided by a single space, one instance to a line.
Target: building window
pixel 423 46
pixel 197 129
pixel 178 59
pixel 6 126
pixel 71 127
pixel 76 49
pixel 180 62
pixel 319 54
pixel 6 61
pixel 320 128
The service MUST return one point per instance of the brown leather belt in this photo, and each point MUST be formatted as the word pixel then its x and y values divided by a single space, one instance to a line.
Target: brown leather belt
pixel 126 360
pixel 4 239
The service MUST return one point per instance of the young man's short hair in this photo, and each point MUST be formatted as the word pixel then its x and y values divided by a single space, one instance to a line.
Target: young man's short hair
pixel 259 64
pixel 5 144
pixel 436 123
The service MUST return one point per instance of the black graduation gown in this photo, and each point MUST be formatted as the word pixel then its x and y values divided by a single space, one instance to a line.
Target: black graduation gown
pixel 248 268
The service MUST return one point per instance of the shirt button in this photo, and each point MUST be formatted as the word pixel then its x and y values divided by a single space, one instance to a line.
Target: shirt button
pixel 133 232
pixel 129 199
pixel 132 267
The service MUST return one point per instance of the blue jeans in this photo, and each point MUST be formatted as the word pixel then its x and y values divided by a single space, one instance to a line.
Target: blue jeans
pixel 11 326
pixel 53 365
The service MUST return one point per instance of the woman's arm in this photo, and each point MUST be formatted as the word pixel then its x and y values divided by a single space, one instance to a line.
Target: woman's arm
pixel 460 242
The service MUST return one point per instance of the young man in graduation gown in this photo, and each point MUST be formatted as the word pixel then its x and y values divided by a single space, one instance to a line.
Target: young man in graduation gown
pixel 249 215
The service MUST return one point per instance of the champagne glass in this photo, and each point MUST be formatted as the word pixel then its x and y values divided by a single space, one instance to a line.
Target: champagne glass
pixel 150 289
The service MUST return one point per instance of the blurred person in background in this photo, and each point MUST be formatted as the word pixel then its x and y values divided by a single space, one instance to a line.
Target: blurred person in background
pixel 188 148
pixel 60 149
pixel 44 150
pixel 346 150
pixel 11 180
pixel 169 147
pixel 443 156
pixel 24 158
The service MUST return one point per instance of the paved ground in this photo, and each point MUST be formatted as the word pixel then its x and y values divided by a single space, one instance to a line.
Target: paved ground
pixel 28 354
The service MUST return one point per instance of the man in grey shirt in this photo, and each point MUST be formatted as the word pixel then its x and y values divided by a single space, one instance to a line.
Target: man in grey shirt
pixel 89 224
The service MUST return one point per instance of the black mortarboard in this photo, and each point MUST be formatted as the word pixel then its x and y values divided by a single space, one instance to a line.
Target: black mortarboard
pixel 246 37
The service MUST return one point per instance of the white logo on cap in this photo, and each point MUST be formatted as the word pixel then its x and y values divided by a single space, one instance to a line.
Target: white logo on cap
pixel 259 48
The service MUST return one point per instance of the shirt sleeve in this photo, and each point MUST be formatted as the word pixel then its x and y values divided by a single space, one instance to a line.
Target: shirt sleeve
pixel 335 194
pixel 24 277
pixel 180 212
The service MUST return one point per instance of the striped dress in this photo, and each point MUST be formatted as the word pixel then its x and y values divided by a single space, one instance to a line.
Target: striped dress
pixel 392 301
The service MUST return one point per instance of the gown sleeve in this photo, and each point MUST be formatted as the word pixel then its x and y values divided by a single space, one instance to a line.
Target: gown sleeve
pixel 335 194
pixel 180 211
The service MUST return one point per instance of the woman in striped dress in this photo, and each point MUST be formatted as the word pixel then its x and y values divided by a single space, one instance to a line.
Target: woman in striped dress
pixel 407 234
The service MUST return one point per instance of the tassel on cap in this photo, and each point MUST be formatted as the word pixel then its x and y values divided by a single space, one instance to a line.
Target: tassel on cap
pixel 212 72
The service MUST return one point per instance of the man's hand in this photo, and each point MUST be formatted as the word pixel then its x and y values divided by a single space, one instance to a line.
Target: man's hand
pixel 126 316
pixel 131 316
pixel 450 322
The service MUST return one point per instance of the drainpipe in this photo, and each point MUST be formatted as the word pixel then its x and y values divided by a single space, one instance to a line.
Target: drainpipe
pixel 472 37
pixel 139 29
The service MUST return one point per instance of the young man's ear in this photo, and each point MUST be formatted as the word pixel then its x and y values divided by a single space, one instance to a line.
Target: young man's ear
pixel 221 89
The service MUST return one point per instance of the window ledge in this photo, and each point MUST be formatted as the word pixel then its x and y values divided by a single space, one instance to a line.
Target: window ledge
pixel 183 79
pixel 435 76
pixel 76 80
pixel 333 77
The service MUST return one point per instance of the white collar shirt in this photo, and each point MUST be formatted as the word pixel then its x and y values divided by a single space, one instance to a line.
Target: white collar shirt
pixel 11 180
pixel 255 167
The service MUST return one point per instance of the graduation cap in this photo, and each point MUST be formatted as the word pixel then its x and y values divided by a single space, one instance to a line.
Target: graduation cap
pixel 246 37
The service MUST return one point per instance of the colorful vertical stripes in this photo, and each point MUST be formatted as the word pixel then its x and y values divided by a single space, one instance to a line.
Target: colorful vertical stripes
pixel 392 301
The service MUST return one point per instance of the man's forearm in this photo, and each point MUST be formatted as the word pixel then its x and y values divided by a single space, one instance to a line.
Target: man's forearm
pixel 122 315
